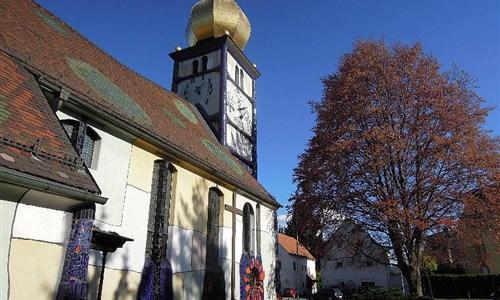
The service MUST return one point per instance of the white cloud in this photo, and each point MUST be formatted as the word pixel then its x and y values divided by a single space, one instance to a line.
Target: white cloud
pixel 282 221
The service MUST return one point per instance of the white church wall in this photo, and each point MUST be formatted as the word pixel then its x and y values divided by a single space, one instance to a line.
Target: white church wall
pixel 268 240
pixel 8 210
pixel 199 251
pixel 226 267
pixel 110 170
pixel 111 175
pixel 41 224
pixel 134 226
pixel 226 239
pixel 268 263
pixel 179 252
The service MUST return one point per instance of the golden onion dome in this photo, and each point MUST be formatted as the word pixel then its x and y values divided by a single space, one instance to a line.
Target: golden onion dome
pixel 215 18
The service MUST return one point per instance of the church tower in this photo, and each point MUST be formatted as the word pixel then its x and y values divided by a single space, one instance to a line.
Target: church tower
pixel 215 76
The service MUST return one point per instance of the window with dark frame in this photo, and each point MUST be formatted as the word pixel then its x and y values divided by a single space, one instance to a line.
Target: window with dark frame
pixel 242 76
pixel 237 75
pixel 204 63
pixel 83 138
pixel 195 66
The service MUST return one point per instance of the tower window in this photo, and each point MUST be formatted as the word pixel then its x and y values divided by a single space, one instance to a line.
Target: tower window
pixel 237 75
pixel 83 138
pixel 242 76
pixel 204 63
pixel 195 66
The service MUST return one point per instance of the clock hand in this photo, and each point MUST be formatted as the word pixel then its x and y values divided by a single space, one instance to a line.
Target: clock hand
pixel 197 89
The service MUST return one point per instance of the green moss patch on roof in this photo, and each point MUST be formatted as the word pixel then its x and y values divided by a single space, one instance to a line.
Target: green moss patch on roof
pixel 109 91
pixel 4 113
pixel 220 154
pixel 174 118
pixel 185 111
pixel 52 23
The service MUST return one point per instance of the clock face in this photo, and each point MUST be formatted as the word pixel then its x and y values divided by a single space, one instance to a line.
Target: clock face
pixel 203 89
pixel 239 109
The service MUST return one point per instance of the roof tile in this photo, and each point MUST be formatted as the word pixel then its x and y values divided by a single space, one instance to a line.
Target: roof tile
pixel 290 245
pixel 30 131
pixel 49 48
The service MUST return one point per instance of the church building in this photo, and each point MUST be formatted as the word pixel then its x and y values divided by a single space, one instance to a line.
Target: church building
pixel 113 187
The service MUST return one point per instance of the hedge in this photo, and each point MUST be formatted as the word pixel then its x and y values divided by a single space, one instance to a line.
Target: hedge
pixel 466 286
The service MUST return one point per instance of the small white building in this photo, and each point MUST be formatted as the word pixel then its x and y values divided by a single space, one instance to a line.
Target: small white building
pixel 352 268
pixel 298 266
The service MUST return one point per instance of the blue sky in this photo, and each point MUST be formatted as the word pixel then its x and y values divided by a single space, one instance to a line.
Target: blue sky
pixel 294 44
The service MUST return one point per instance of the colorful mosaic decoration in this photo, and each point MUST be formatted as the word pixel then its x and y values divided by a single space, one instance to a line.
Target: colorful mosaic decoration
pixel 109 91
pixel 185 111
pixel 4 113
pixel 73 283
pixel 252 277
pixel 52 23
pixel 147 286
pixel 174 118
pixel 222 155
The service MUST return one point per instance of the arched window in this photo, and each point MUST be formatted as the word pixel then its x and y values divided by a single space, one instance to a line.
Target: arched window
pixel 83 138
pixel 204 63
pixel 195 66
pixel 242 78
pixel 213 223
pixel 248 228
pixel 237 75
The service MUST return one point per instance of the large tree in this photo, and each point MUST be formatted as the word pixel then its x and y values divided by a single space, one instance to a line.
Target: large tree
pixel 399 149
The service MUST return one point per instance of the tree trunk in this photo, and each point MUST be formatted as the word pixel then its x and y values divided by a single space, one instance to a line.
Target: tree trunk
pixel 412 275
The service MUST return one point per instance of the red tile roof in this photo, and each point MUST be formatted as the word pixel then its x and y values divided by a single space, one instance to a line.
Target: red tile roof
pixel 290 245
pixel 32 141
pixel 51 50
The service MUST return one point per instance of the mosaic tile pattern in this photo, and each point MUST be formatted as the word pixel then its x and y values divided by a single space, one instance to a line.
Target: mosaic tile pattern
pixel 174 118
pixel 52 23
pixel 156 278
pixel 185 111
pixel 220 154
pixel 4 113
pixel 251 277
pixel 73 283
pixel 147 287
pixel 109 91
